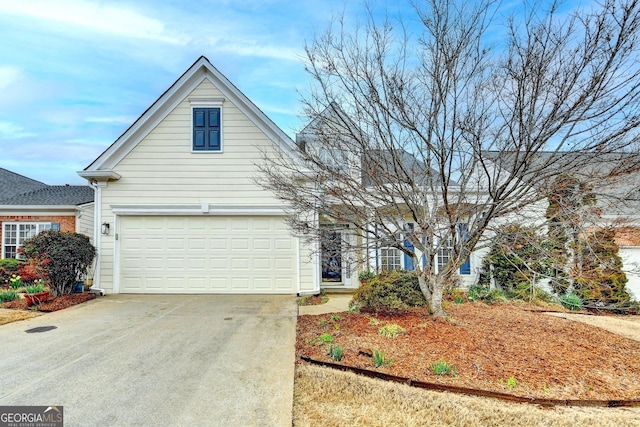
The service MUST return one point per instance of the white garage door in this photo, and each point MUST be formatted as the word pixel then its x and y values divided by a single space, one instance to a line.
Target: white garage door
pixel 237 254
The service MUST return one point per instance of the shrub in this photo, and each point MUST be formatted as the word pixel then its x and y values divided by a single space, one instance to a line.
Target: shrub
pixel 10 264
pixel 365 276
pixel 527 292
pixel 483 293
pixel 30 271
pixel 391 330
pixel 571 301
pixel 392 291
pixel 64 257
pixel 517 257
pixel 326 338
pixel 601 280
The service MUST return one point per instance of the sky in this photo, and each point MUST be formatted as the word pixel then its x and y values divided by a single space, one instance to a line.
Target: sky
pixel 74 74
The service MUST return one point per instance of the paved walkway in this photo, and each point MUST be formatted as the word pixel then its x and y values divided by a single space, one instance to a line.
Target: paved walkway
pixel 336 304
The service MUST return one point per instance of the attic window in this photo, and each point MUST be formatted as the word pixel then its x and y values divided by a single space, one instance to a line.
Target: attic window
pixel 206 124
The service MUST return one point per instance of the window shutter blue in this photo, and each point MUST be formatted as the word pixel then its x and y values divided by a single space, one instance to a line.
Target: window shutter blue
pixel 206 129
pixel 408 261
pixel 463 230
pixel 466 267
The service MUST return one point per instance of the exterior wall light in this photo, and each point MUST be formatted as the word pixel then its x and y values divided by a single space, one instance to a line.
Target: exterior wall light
pixel 105 228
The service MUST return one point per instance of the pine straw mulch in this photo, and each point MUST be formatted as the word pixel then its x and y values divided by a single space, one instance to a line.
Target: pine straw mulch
pixel 54 303
pixel 548 357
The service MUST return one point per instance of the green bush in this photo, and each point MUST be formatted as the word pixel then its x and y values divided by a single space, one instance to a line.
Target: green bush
pixel 527 292
pixel 10 264
pixel 483 293
pixel 326 338
pixel 365 276
pixel 64 257
pixel 392 291
pixel 571 301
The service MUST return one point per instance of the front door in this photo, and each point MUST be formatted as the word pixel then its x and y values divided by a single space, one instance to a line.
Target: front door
pixel 331 256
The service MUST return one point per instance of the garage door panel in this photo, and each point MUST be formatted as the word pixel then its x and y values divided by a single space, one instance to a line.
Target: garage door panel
pixel 206 255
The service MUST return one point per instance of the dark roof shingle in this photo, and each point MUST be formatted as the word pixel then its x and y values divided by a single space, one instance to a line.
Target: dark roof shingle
pixel 18 190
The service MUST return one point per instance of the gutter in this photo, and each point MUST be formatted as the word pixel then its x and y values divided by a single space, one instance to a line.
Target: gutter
pixel 97 236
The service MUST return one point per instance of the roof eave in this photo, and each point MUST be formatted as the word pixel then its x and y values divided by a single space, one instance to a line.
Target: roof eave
pixel 99 175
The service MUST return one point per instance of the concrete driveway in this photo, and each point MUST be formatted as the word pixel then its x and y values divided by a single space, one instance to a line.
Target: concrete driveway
pixel 175 360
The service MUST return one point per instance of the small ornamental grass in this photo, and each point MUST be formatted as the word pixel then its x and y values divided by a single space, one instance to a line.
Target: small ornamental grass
pixel 391 330
pixel 335 351
pixel 8 296
pixel 381 359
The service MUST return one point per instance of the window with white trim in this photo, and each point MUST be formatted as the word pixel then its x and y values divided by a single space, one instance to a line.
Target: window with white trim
pixel 206 124
pixel 14 233
pixel 390 259
pixel 444 254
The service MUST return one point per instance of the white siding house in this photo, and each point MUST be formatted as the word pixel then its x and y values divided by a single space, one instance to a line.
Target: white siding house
pixel 178 201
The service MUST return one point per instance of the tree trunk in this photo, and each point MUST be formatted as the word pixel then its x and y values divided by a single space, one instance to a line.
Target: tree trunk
pixel 432 288
pixel 436 298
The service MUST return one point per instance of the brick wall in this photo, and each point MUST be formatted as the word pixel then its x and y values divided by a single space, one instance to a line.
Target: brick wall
pixel 67 222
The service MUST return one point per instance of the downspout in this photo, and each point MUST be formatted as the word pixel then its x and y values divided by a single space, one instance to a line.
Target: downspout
pixel 97 235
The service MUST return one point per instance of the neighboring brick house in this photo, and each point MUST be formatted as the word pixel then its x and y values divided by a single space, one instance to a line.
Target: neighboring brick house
pixel 28 206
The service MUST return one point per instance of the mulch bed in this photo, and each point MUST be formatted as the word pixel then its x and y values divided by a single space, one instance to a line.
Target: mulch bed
pixel 54 303
pixel 504 348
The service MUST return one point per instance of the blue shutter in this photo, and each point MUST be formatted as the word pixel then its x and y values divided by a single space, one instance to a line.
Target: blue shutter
pixel 408 261
pixel 206 129
pixel 214 129
pixel 463 231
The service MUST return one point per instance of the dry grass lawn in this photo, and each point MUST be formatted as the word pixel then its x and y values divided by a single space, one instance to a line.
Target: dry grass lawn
pixel 8 316
pixel 326 397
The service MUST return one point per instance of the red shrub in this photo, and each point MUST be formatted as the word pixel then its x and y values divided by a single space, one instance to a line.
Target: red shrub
pixel 30 271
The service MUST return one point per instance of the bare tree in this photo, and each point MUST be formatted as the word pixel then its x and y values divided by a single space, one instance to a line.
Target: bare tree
pixel 423 136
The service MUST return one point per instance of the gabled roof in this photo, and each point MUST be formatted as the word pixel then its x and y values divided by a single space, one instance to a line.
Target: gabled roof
pixel 200 70
pixel 12 184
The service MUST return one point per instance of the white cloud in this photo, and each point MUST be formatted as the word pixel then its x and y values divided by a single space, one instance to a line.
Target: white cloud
pixel 9 130
pixel 109 120
pixel 100 17
pixel 254 49
pixel 9 76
